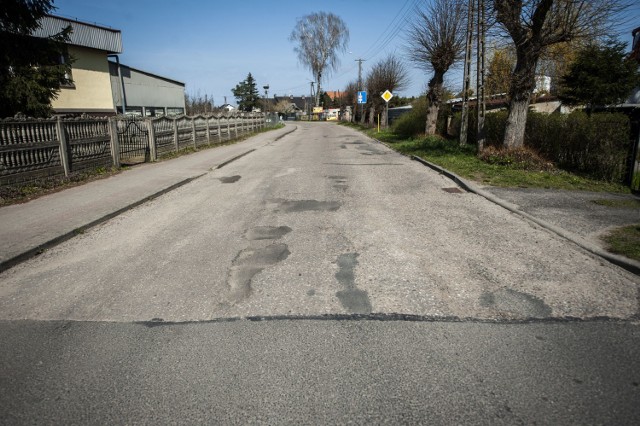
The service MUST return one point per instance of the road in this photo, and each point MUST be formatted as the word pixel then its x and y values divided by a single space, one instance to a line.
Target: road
pixel 320 278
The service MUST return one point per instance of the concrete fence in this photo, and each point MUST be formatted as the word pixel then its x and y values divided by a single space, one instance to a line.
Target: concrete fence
pixel 32 149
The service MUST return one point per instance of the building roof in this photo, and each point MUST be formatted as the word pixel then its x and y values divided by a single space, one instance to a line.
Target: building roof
pixel 298 101
pixel 113 67
pixel 84 34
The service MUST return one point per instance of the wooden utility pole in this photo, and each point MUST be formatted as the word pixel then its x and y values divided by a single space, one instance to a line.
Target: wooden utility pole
pixel 481 102
pixel 467 75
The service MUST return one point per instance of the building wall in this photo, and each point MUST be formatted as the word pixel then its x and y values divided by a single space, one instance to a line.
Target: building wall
pixel 145 92
pixel 91 91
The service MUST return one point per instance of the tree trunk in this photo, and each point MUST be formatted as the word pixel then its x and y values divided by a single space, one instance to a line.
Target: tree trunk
pixel 523 82
pixel 432 119
pixel 318 91
pixel 434 97
pixel 516 123
pixel 372 116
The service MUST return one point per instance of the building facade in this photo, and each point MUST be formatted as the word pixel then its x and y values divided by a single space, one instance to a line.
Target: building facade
pixel 89 46
pixel 101 86
pixel 145 94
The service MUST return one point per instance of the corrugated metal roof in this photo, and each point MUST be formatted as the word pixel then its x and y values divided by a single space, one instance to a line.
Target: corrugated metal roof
pixel 84 34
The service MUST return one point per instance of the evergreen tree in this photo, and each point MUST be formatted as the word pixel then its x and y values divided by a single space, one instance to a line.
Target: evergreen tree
pixel 600 75
pixel 247 95
pixel 31 68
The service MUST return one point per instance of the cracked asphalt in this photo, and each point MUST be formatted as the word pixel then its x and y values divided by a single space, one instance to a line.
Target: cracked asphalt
pixel 323 233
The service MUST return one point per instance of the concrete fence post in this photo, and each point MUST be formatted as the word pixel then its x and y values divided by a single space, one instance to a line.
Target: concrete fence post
pixel 235 127
pixel 208 132
pixel 115 143
pixel 193 132
pixel 219 130
pixel 175 133
pixel 64 148
pixel 153 152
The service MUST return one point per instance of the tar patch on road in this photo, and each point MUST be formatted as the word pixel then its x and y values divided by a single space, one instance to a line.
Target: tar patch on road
pixel 229 179
pixel 254 260
pixel 297 206
pixel 515 302
pixel 339 183
pixel 352 299
pixel 267 232
pixel 250 262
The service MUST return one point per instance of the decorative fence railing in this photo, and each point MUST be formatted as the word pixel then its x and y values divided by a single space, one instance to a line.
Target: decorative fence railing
pixel 32 149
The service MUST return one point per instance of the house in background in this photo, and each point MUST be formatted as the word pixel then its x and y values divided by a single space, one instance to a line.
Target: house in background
pixel 89 46
pixel 99 85
pixel 145 94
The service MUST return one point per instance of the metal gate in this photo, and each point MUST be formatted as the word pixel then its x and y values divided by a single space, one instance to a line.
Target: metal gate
pixel 133 137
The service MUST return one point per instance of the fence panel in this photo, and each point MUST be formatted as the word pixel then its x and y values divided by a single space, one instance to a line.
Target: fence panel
pixel 29 150
pixel 185 133
pixel 89 143
pixel 214 127
pixel 201 130
pixel 164 133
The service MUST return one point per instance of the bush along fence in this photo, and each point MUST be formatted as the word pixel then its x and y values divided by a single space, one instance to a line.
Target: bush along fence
pixel 38 148
pixel 599 145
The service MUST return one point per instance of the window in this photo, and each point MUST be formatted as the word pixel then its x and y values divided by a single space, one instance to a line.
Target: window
pixel 68 76
pixel 175 111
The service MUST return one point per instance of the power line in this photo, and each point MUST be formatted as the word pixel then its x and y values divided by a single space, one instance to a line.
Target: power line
pixel 385 34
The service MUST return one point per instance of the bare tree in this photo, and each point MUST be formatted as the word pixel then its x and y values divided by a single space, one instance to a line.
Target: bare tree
pixel 534 26
pixel 349 97
pixel 319 37
pixel 436 41
pixel 387 74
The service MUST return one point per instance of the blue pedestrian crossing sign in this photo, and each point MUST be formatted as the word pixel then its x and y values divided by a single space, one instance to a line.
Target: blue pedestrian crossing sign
pixel 362 97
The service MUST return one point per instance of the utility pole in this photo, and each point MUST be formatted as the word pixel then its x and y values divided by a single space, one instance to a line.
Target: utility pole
pixel 482 106
pixel 360 61
pixel 467 75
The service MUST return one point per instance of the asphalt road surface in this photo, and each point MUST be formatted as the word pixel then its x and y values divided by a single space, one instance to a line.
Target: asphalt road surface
pixel 321 278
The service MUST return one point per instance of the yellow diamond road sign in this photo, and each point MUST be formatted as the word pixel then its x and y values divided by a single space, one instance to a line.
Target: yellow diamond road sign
pixel 387 95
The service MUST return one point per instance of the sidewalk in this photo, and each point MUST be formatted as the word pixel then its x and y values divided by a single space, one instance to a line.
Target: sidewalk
pixel 570 214
pixel 29 228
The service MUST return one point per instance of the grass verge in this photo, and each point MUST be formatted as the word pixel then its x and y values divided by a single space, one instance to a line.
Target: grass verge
pixel 624 241
pixel 22 193
pixel 464 162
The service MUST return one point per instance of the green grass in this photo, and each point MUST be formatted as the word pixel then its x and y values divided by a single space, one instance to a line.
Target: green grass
pixel 624 241
pixel 464 162
pixel 618 204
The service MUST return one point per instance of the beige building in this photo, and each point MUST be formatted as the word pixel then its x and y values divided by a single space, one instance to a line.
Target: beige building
pixel 90 46
pixel 102 86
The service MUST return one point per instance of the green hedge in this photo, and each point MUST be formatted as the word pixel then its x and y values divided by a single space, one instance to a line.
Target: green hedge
pixel 596 145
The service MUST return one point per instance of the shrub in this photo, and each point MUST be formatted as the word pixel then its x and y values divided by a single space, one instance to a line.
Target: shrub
pixel 596 145
pixel 412 123
pixel 523 158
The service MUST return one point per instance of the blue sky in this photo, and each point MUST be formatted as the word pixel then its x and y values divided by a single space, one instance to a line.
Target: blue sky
pixel 213 45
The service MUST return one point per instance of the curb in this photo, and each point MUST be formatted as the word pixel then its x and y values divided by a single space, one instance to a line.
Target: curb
pixel 628 264
pixel 33 252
